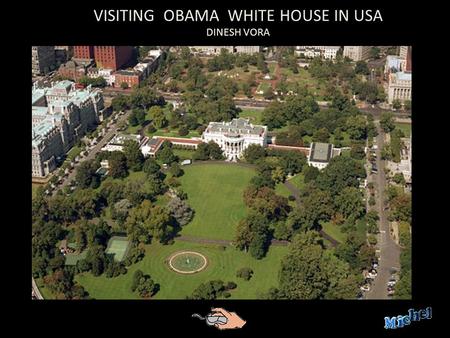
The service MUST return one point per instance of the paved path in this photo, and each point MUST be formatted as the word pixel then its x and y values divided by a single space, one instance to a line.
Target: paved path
pixel 35 289
pixel 389 250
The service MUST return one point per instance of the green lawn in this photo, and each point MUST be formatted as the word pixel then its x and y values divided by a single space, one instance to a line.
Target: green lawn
pixel 405 127
pixel 184 154
pixel 298 181
pixel 222 264
pixel 74 152
pixel 34 187
pixel 263 86
pixel 215 193
pixel 254 115
pixel 173 133
pixel 334 231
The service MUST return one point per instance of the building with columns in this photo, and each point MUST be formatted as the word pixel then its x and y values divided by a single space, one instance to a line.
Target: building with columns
pixel 235 136
pixel 399 87
pixel 399 78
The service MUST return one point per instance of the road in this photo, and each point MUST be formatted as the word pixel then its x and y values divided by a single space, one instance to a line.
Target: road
pixel 389 250
pixel 35 289
pixel 93 152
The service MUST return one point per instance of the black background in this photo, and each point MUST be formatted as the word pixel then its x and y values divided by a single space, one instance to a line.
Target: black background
pixel 73 23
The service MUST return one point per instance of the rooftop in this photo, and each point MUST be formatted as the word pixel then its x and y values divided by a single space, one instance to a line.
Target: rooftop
pixel 402 76
pixel 235 127
pixel 320 152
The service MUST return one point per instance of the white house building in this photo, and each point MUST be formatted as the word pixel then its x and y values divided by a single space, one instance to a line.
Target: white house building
pixel 235 136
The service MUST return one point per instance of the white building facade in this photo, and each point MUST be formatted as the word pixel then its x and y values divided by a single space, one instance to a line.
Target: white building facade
pixel 357 53
pixel 235 136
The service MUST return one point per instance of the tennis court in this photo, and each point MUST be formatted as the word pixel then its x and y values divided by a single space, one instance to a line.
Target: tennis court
pixel 118 246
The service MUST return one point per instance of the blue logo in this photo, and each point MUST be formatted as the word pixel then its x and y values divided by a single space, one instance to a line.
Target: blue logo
pixel 404 320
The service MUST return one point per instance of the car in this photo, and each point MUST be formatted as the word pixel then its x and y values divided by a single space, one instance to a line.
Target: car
pixel 391 283
pixel 365 288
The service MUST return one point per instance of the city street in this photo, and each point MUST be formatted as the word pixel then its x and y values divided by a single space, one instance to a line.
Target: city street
pixel 93 152
pixel 389 250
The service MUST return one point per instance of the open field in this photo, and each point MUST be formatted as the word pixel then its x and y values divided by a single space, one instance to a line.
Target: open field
pixel 215 193
pixel 222 264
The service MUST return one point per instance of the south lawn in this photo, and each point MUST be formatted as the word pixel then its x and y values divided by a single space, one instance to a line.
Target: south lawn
pixel 222 264
pixel 215 192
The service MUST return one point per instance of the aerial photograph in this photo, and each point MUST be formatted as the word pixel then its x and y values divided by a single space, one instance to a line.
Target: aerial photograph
pixel 221 172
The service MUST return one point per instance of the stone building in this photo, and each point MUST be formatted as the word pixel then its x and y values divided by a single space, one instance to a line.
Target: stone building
pixel 235 136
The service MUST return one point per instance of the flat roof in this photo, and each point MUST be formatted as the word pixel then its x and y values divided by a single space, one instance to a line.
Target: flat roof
pixel 320 152
pixel 235 127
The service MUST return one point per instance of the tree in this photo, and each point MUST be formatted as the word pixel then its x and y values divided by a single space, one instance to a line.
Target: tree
pixel 321 135
pixel 86 176
pixel 147 221
pixel 165 154
pixel 215 152
pixel 118 164
pixel 133 155
pixel 253 234
pixel 138 274
pixel 254 152
pixel 349 203
pixel 357 127
pixel 292 162
pixel 124 85
pixel 158 118
pixel 361 68
pixel 244 273
pixel 310 173
pixel 407 105
pixel 310 272
pixel 207 151
pixel 357 152
pixel 180 211
pixel 209 290
pixel 143 284
pixel 403 287
pixel 120 103
pixel 374 52
pixel 396 104
pixel 316 207
pixel 176 170
pixel 265 202
pixel 387 122
pixel 151 167
pixel 300 276
pixel 340 173
pixel 278 175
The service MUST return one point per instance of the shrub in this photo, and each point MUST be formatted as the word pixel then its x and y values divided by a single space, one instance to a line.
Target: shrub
pixel 230 286
pixel 226 294
pixel 245 273
pixel 372 239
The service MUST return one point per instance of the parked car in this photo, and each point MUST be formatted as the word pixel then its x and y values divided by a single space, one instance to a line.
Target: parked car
pixel 365 288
